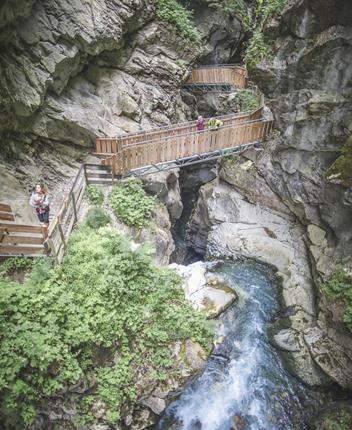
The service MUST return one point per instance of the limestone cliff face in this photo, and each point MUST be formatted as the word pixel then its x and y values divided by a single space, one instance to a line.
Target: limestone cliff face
pixel 309 88
pixel 72 70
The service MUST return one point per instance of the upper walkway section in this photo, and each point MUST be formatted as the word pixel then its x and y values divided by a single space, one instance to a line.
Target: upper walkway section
pixel 221 77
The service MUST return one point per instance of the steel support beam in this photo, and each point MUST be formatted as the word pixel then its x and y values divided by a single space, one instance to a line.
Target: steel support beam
pixel 215 88
pixel 188 161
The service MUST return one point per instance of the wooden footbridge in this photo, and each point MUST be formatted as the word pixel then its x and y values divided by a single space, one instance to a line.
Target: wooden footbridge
pixel 136 154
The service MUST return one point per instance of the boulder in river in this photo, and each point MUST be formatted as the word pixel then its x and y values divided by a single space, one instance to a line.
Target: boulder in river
pixel 208 292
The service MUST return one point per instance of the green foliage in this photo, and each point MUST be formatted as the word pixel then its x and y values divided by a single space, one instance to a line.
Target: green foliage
pixel 247 100
pixel 103 297
pixel 95 195
pixel 257 50
pixel 253 19
pixel 339 287
pixel 181 63
pixel 173 12
pixel 97 217
pixel 340 171
pixel 131 204
pixel 9 265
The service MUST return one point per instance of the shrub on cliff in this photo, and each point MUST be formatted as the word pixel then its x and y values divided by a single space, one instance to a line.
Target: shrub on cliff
pixel 95 195
pixel 97 217
pixel 254 17
pixel 131 204
pixel 247 100
pixel 103 297
pixel 339 288
pixel 173 12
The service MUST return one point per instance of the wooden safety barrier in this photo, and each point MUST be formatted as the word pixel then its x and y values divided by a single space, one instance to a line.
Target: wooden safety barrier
pixel 233 75
pixel 187 145
pixel 6 213
pixel 61 226
pixel 107 146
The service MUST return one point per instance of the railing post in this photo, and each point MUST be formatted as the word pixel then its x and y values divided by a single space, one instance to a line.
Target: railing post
pixel 85 174
pixel 74 205
pixel 61 232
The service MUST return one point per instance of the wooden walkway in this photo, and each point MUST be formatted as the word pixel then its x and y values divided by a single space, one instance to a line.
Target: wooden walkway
pixel 137 154
pixel 174 151
pixel 222 74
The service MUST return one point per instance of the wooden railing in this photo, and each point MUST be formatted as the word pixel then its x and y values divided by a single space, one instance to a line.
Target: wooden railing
pixel 227 74
pixel 186 145
pixel 34 240
pixel 106 146
pixel 61 226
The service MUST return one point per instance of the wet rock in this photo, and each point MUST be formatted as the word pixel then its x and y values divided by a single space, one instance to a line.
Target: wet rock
pixel 210 298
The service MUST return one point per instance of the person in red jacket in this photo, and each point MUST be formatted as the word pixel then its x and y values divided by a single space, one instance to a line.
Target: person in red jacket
pixel 200 124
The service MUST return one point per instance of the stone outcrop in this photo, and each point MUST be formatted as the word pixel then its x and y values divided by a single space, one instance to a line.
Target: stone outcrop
pixel 308 87
pixel 165 186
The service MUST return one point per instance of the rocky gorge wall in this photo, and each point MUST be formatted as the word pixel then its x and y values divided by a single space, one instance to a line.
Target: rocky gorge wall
pixel 74 70
pixel 276 205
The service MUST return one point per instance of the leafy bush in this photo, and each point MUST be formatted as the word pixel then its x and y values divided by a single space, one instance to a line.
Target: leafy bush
pixel 174 13
pixel 257 49
pixel 95 195
pixel 339 287
pixel 103 296
pixel 131 204
pixel 8 265
pixel 97 217
pixel 247 100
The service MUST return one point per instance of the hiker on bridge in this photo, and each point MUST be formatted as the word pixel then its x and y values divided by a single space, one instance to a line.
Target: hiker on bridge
pixel 39 201
pixel 200 123
pixel 214 124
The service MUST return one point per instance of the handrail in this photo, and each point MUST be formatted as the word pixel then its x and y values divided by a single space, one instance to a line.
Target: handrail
pixel 180 124
pixel 173 148
pixel 191 133
pixel 218 66
pixel 111 145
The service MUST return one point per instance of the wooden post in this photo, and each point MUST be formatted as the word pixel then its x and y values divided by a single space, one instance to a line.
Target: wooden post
pixel 74 205
pixel 85 174
pixel 53 251
pixel 61 231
